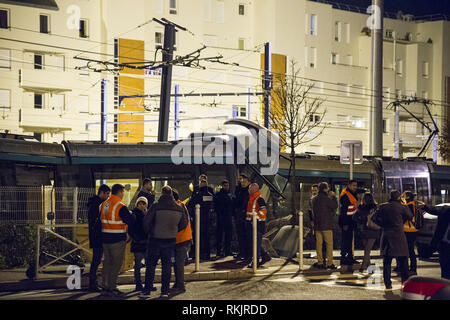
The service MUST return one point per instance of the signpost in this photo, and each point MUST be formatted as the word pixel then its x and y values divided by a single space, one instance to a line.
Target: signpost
pixel 351 153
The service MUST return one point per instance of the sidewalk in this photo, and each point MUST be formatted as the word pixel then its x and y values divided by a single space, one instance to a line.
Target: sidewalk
pixel 221 269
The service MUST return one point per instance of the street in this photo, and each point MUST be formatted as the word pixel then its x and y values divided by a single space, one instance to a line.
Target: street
pixel 307 286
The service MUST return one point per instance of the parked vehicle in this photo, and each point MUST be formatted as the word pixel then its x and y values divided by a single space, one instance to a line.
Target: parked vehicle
pixel 425 288
pixel 426 234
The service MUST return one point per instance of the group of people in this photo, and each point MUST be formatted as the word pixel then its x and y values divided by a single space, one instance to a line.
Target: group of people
pixel 158 230
pixel 397 222
pixel 162 230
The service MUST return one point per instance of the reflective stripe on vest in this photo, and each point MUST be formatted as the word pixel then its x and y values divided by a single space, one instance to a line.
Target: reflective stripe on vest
pixel 353 207
pixel 409 225
pixel 260 212
pixel 185 234
pixel 111 221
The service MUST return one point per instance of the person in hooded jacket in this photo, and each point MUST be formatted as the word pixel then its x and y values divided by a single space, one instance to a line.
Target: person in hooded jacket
pixel 368 235
pixel 95 233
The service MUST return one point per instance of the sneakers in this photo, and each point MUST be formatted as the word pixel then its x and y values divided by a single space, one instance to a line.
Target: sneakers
pixel 144 295
pixel 164 296
pixel 175 291
pixel 332 267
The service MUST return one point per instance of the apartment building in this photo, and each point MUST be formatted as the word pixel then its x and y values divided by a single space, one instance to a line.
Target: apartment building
pixel 42 92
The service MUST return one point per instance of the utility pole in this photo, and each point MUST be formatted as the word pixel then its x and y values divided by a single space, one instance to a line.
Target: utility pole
pixel 267 83
pixel 103 113
pixel 176 124
pixel 166 79
pixel 377 78
pixel 397 112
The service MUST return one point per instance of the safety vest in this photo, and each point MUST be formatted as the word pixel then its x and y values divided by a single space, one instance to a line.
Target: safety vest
pixel 111 221
pixel 409 225
pixel 185 234
pixel 253 208
pixel 351 210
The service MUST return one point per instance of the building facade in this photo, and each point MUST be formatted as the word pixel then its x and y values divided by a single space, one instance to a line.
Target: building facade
pixel 47 91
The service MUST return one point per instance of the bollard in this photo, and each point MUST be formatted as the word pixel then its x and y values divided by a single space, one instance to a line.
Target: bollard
pixel 255 241
pixel 38 249
pixel 197 237
pixel 300 239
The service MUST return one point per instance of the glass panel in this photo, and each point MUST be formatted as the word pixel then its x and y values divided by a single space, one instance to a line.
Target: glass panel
pixel 422 189
pixel 392 183
pixel 408 184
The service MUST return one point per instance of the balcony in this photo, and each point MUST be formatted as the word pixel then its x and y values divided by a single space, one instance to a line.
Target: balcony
pixel 45 80
pixel 44 120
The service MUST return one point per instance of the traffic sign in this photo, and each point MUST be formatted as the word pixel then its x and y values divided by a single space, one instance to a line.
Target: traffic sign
pixel 346 150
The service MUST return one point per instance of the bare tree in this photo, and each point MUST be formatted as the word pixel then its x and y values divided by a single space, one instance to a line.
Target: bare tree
pixel 444 142
pixel 295 113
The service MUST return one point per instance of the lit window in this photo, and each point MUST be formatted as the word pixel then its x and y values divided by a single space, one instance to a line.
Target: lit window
pixel 313 25
pixel 358 122
pixel 44 25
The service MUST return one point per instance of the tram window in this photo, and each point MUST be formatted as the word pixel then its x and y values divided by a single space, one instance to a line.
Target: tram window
pixel 392 183
pixel 422 189
pixel 408 184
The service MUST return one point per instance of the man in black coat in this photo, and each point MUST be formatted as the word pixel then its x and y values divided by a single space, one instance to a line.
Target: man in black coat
pixel 95 233
pixel 348 206
pixel 147 191
pixel 390 217
pixel 240 214
pixel 441 237
pixel 223 205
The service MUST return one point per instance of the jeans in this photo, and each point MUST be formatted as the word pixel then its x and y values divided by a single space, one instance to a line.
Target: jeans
pixel 346 244
pixel 138 257
pixel 387 265
pixel 180 258
pixel 158 248
pixel 368 245
pixel 411 239
pixel 444 260
pixel 97 254
pixel 114 254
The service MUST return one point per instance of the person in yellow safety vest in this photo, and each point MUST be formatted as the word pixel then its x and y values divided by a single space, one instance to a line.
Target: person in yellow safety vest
pixel 410 228
pixel 256 206
pixel 182 247
pixel 115 218
pixel 348 206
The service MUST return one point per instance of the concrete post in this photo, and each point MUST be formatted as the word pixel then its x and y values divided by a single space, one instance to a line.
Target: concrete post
pixel 300 241
pixel 255 241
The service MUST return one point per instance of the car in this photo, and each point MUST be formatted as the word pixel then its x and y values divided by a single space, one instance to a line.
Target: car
pixel 426 233
pixel 426 288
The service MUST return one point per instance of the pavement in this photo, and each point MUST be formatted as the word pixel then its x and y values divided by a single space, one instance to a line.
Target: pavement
pixel 221 269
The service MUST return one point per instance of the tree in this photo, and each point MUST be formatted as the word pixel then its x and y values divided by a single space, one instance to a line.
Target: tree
pixel 295 113
pixel 444 142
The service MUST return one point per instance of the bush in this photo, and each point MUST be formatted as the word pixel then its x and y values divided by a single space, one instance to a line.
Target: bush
pixel 17 244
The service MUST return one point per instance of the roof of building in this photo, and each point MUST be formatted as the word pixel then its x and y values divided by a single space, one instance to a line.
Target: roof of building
pixel 43 4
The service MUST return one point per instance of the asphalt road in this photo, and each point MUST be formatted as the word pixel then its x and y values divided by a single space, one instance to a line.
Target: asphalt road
pixel 309 286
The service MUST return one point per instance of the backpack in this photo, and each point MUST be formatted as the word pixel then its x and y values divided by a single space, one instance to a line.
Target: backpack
pixel 370 224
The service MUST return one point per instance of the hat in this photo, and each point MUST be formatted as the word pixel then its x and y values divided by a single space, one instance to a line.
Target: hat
pixel 141 199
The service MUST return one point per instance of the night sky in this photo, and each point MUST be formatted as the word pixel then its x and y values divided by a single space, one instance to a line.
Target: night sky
pixel 415 7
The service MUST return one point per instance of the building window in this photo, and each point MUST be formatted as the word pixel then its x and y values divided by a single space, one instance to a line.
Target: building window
pixel 5 59
pixel 83 28
pixel 44 23
pixel 5 99
pixel 243 112
pixel 400 67
pixel 38 136
pixel 385 125
pixel 314 118
pixel 4 15
pixel 38 61
pixel 313 25
pixel 337 31
pixel 334 58
pixel 242 9
pixel 158 39
pixel 358 122
pixel 173 6
pixel 58 102
pixel 425 69
pixel 312 57
pixel 38 100
pixel 388 34
pixel 241 44
pixel 59 62
pixel 83 101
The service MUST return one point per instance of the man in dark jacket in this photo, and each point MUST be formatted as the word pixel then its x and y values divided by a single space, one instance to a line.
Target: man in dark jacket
pixel 348 206
pixel 223 205
pixel 314 192
pixel 324 207
pixel 441 237
pixel 162 223
pixel 138 239
pixel 147 191
pixel 240 213
pixel 390 217
pixel 95 233
pixel 116 219
pixel 204 197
